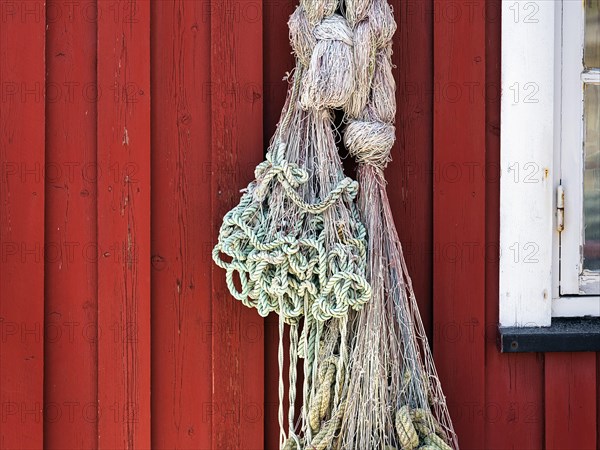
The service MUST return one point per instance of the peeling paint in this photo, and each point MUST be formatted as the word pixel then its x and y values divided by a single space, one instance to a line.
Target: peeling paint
pixel 125 136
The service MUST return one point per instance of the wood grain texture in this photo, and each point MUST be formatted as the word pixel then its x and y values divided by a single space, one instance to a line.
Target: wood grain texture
pixel 278 60
pixel 570 399
pixel 181 264
pixel 459 216
pixel 124 225
pixel 514 384
pixel 237 147
pixel 171 96
pixel 410 174
pixel 22 76
pixel 71 256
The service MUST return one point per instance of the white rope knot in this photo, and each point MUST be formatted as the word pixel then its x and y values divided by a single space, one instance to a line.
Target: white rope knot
pixel 329 80
pixel 334 28
pixel 374 26
pixel 370 142
pixel 381 20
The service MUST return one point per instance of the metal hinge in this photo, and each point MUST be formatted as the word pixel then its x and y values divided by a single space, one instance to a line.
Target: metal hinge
pixel 560 208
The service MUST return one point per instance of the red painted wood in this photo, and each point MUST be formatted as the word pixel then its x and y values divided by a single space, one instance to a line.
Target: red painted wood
pixel 570 388
pixel 513 411
pixel 181 264
pixel 278 60
pixel 410 173
pixel 124 224
pixel 71 257
pixel 237 146
pixel 212 386
pixel 459 216
pixel 514 384
pixel 22 40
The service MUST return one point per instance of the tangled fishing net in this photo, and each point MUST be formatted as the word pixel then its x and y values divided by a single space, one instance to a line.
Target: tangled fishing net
pixel 300 245
pixel 395 399
pixel 295 244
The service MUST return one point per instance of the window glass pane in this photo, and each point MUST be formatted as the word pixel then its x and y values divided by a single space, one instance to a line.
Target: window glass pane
pixel 591 54
pixel 591 178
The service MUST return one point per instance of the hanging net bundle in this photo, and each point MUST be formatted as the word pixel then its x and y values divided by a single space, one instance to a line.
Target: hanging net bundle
pixel 300 245
pixel 395 400
pixel 295 245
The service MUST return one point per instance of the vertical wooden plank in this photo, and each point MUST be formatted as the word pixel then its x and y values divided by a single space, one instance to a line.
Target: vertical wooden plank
pixel 570 387
pixel 514 383
pixel 237 146
pixel 459 213
pixel 514 404
pixel 71 257
pixel 22 76
pixel 410 173
pixel 181 263
pixel 271 399
pixel 124 224
pixel 277 61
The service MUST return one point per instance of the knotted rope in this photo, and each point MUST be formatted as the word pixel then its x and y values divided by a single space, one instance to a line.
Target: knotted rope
pixel 293 264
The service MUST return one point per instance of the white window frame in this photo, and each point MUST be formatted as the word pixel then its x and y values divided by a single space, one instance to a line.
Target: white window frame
pixel 531 115
pixel 574 280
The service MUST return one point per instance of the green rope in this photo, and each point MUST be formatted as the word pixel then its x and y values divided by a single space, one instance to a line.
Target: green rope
pixel 297 276
pixel 290 267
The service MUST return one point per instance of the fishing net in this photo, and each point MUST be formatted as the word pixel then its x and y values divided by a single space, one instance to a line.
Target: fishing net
pixel 395 398
pixel 296 245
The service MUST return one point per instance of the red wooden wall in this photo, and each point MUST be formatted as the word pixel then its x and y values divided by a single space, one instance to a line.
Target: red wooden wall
pixel 127 129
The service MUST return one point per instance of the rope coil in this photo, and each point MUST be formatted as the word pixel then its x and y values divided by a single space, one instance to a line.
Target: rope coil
pixel 288 267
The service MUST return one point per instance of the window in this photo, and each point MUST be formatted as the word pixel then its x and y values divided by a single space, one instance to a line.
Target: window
pixel 550 158
pixel 580 152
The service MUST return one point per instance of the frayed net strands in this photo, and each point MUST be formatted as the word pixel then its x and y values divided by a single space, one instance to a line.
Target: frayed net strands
pixel 299 248
pixel 395 400
pixel 295 244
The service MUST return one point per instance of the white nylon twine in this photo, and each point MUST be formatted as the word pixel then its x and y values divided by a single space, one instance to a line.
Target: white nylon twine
pixel 332 268
pixel 394 397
